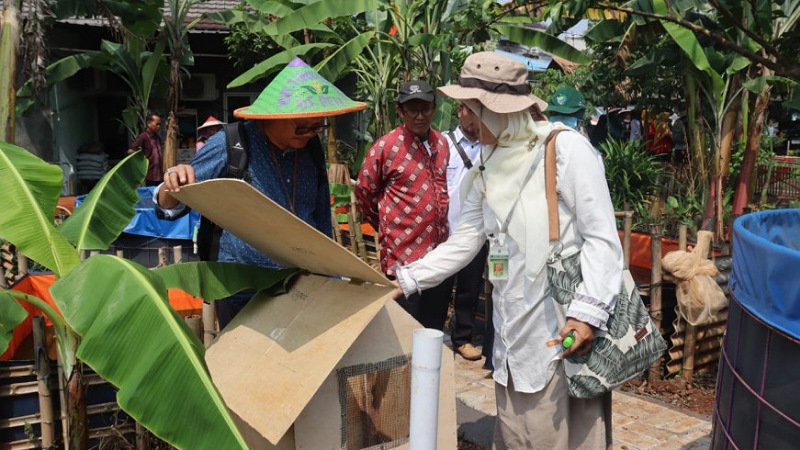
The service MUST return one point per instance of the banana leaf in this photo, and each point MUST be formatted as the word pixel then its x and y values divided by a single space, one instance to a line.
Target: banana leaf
pixel 31 188
pixel 108 208
pixel 337 63
pixel 11 315
pixel 11 311
pixel 313 14
pixel 133 338
pixel 274 63
pixel 205 279
pixel 546 42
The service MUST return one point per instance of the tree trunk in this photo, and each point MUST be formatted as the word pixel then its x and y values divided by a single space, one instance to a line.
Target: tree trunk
pixel 745 183
pixel 78 432
pixel 9 43
pixel 170 142
pixel 171 138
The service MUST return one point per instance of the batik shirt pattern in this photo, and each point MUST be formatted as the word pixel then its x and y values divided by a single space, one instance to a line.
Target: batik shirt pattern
pixel 402 192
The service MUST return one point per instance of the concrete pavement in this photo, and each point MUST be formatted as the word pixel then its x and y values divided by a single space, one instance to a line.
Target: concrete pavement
pixel 639 423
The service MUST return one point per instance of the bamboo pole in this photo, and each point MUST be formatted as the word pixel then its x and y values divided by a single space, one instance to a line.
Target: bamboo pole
pixel 22 265
pixel 43 373
pixel 351 222
pixel 655 292
pixel 627 225
pixel 689 332
pixel 209 324
pixel 337 232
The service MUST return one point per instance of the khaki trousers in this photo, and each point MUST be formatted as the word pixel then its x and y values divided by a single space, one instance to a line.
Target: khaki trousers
pixel 550 419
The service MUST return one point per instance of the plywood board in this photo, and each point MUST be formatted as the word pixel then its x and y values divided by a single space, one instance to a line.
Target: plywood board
pixel 275 354
pixel 276 232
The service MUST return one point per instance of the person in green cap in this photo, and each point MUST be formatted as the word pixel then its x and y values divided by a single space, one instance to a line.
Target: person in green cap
pixel 567 106
pixel 285 161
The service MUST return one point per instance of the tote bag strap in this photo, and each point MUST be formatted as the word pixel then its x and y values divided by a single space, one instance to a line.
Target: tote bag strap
pixel 550 185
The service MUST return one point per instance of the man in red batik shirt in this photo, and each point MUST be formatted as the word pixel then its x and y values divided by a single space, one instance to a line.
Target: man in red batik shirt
pixel 402 192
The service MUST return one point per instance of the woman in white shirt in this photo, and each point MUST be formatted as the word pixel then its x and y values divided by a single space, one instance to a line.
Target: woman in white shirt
pixel 504 201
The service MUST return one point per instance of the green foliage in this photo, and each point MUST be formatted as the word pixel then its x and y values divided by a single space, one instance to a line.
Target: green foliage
pixel 634 177
pixel 384 44
pixel 137 66
pixel 246 46
pixel 116 314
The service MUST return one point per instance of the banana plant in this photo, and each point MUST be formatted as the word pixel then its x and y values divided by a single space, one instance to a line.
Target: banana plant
pixel 113 314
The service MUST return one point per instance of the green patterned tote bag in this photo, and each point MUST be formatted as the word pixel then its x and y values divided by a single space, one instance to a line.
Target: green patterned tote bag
pixel 630 346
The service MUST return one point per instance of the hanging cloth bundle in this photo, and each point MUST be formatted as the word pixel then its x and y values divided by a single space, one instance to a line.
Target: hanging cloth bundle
pixel 699 297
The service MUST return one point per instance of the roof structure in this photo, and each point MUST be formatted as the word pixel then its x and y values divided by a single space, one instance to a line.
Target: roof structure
pixel 204 7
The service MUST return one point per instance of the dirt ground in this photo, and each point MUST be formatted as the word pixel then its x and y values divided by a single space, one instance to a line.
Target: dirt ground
pixel 696 397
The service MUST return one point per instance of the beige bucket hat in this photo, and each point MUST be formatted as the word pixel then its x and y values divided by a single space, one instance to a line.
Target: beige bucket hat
pixel 497 81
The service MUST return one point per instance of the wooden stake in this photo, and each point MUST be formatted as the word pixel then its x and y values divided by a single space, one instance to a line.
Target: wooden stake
pixel 162 257
pixel 177 254
pixel 655 291
pixel 195 323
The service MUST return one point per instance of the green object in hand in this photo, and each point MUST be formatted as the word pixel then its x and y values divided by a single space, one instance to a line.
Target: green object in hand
pixel 569 339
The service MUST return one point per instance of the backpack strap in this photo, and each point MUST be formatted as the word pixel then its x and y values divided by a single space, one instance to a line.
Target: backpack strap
pixel 464 157
pixel 550 185
pixel 237 147
pixel 209 233
pixel 318 156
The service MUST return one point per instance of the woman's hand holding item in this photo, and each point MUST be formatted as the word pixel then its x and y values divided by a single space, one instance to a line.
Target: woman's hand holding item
pixel 583 334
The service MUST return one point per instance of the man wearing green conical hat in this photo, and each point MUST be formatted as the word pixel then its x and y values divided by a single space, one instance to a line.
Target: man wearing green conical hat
pixel 285 161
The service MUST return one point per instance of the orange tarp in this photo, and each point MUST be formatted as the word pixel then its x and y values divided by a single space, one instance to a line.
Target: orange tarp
pixel 39 285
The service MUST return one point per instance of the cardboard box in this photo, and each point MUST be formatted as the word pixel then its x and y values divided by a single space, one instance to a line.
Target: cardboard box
pixel 326 365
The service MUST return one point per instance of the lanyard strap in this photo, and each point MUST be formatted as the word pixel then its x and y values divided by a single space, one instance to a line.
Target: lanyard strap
pixel 536 161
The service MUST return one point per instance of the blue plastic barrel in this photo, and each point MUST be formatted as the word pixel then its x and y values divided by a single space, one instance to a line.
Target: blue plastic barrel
pixel 758 384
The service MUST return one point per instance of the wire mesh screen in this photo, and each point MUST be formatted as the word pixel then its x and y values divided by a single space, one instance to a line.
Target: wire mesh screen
pixel 757 384
pixel 375 401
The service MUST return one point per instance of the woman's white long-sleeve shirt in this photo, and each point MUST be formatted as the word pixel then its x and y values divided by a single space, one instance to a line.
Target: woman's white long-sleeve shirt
pixel 525 317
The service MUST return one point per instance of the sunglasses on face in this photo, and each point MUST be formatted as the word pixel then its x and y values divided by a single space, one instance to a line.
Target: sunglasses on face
pixel 314 129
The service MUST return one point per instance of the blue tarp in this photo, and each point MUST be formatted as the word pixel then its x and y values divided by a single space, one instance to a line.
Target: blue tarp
pixel 766 267
pixel 146 223
pixel 530 63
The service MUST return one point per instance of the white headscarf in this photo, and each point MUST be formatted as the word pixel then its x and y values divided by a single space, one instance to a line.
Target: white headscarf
pixel 506 165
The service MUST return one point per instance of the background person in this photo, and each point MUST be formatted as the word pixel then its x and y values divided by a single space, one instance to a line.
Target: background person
pixel 149 142
pixel 507 205
pixel 286 161
pixel 209 128
pixel 402 192
pixel 464 152
pixel 567 106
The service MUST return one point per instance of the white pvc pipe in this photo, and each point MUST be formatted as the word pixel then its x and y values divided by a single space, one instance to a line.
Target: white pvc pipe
pixel 426 362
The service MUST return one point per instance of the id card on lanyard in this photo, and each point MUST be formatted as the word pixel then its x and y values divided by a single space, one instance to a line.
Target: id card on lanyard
pixel 498 259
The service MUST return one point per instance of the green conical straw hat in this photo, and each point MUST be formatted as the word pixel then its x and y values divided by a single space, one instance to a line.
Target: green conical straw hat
pixel 299 91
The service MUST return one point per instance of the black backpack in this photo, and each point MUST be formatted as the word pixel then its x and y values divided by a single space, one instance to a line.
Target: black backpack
pixel 208 233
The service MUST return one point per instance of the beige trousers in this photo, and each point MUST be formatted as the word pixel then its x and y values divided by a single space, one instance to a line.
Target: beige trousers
pixel 550 419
